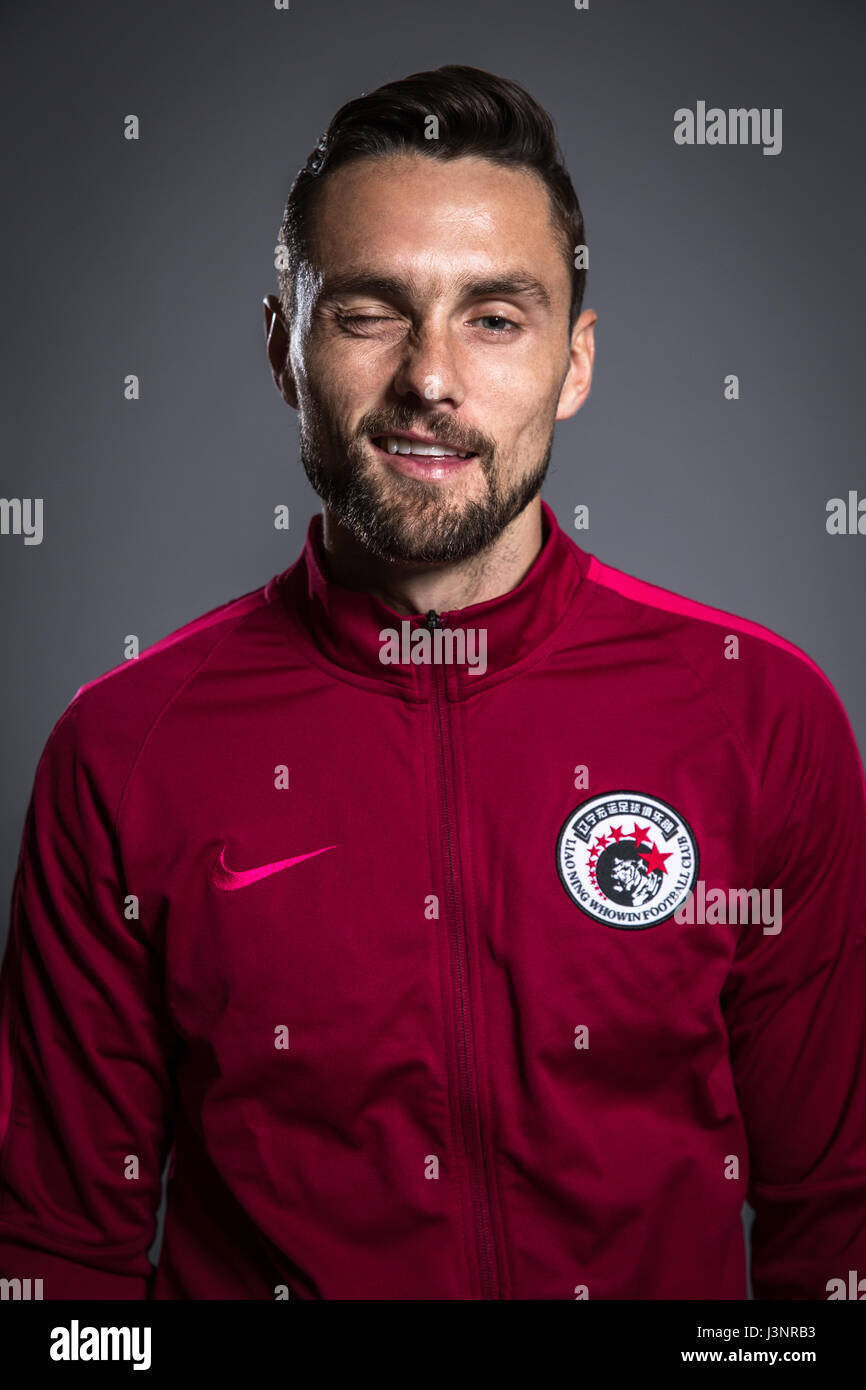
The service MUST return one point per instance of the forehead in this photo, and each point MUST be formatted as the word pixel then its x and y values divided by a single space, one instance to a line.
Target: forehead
pixel 437 219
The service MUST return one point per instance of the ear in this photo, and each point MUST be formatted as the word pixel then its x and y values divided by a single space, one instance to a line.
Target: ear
pixel 277 339
pixel 578 378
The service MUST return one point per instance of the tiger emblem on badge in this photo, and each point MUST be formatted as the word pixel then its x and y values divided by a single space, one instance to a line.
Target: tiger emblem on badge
pixel 627 860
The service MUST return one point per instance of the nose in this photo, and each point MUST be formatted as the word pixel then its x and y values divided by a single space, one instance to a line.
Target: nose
pixel 429 370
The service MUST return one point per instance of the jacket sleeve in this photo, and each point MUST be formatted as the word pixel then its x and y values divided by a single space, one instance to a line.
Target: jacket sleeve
pixel 85 1096
pixel 795 1004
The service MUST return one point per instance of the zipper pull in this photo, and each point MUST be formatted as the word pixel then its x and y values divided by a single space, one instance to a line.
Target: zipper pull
pixel 432 620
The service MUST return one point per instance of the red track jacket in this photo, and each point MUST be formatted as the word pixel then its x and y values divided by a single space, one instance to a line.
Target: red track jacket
pixel 398 959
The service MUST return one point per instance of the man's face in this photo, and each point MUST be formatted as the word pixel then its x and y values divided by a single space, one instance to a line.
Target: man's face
pixel 436 305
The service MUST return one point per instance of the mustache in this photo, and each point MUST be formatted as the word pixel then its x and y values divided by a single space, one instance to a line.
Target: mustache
pixel 378 422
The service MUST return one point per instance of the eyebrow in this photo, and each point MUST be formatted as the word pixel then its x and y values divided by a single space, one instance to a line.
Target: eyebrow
pixel 519 284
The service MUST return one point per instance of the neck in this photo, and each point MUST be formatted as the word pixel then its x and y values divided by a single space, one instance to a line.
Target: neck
pixel 417 587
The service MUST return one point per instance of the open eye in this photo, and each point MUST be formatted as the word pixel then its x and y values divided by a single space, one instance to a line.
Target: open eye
pixel 497 324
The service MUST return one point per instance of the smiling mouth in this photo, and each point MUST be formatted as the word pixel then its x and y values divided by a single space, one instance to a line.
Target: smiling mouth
pixel 417 448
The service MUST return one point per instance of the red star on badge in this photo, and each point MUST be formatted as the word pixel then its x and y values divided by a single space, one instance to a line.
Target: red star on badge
pixel 640 833
pixel 654 859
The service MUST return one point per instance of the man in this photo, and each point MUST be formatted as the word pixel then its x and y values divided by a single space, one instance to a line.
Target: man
pixel 320 904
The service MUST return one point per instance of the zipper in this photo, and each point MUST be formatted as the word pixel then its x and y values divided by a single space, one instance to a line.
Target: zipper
pixel 467 1074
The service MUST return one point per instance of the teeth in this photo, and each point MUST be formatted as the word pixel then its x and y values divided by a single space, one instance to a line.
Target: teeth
pixel 398 445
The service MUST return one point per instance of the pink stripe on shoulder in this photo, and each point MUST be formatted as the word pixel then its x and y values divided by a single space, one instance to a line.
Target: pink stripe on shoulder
pixel 235 608
pixel 651 594
pixel 655 597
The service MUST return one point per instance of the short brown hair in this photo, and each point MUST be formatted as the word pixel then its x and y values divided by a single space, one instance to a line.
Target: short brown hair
pixel 477 113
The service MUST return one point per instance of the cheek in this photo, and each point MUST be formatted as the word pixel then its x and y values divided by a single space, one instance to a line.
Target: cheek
pixel 527 377
pixel 349 371
pixel 522 404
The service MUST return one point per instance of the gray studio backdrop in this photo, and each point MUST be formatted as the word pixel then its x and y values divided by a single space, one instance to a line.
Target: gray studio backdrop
pixel 152 257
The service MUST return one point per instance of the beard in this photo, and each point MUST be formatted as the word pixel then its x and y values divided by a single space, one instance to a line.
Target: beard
pixel 407 519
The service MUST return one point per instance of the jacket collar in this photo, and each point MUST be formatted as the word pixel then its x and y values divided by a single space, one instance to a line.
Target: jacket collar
pixel 500 635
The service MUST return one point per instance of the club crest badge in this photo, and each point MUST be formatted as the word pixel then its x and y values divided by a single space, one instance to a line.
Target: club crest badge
pixel 627 860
